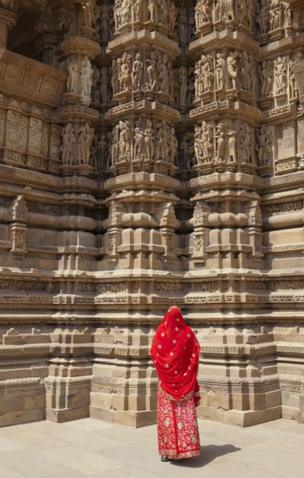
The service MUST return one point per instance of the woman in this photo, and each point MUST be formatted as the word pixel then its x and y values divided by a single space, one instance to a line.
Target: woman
pixel 175 353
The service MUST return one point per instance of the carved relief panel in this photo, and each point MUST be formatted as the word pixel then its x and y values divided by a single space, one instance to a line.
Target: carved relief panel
pixel 277 81
pixel 221 14
pixel 143 143
pixel 77 144
pixel 142 72
pixel 224 145
pixel 80 77
pixel 139 14
pixel 219 73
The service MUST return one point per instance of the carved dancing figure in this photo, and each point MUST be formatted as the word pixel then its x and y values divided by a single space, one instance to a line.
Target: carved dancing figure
pixel 264 146
pixel 163 74
pixel 232 146
pixel 262 18
pixel 73 75
pixel 151 72
pixel 280 76
pixel 220 143
pixel 220 71
pixel 86 78
pixel 232 69
pixel 137 73
pixel 139 140
pixel 149 140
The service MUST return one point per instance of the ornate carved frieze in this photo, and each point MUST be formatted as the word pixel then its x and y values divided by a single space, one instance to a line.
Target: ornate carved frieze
pixel 30 80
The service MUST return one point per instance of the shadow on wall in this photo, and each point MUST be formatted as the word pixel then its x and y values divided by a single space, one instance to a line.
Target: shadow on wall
pixel 208 454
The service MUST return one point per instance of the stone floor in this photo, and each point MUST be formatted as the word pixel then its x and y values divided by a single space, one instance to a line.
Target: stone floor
pixel 91 448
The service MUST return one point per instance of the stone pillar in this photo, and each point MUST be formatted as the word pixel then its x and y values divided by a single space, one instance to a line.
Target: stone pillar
pixel 69 381
pixel 140 233
pixel 227 225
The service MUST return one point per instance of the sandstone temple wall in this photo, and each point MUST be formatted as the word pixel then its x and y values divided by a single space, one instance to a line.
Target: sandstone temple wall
pixel 151 153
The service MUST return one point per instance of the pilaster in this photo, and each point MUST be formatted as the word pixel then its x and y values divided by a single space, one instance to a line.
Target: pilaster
pixel 140 231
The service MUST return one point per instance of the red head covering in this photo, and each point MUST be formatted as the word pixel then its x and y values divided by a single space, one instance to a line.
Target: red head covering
pixel 175 353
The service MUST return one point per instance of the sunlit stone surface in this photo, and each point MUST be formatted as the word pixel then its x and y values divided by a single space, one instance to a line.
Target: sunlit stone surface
pixel 151 153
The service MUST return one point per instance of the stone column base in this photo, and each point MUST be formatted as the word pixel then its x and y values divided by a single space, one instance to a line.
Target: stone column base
pixel 241 418
pixel 132 419
pixel 66 415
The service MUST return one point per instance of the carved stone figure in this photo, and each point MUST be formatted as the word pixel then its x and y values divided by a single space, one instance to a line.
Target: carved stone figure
pixel 264 146
pixel 85 140
pixel 125 79
pixel 232 145
pixel 163 75
pixel 149 140
pixel 220 137
pixel 137 73
pixel 151 72
pixel 73 75
pixel 125 138
pixel 86 78
pixel 139 140
pixel 275 15
pixel 173 146
pixel 266 77
pixel 245 146
pixel 203 13
pixel 224 11
pixel 138 10
pixel 204 74
pixel 232 70
pixel 68 145
pixel 220 67
pixel 207 143
pixel 262 18
pixel 280 76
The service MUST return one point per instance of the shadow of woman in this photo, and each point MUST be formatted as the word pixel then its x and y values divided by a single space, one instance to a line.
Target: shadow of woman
pixel 208 454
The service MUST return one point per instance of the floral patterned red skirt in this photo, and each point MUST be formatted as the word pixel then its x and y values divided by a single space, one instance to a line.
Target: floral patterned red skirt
pixel 178 434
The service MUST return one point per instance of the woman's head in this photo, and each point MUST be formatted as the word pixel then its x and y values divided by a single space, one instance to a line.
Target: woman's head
pixel 174 320
pixel 175 312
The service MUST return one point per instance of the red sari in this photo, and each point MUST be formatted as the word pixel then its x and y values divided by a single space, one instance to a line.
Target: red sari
pixel 175 353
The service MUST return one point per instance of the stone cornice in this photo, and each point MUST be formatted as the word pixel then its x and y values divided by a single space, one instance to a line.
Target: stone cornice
pixel 224 39
pixel 143 39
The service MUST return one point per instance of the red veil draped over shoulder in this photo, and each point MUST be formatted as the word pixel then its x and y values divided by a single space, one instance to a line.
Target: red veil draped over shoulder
pixel 175 353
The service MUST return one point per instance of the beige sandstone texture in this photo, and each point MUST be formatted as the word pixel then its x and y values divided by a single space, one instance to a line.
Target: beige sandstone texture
pixel 151 153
